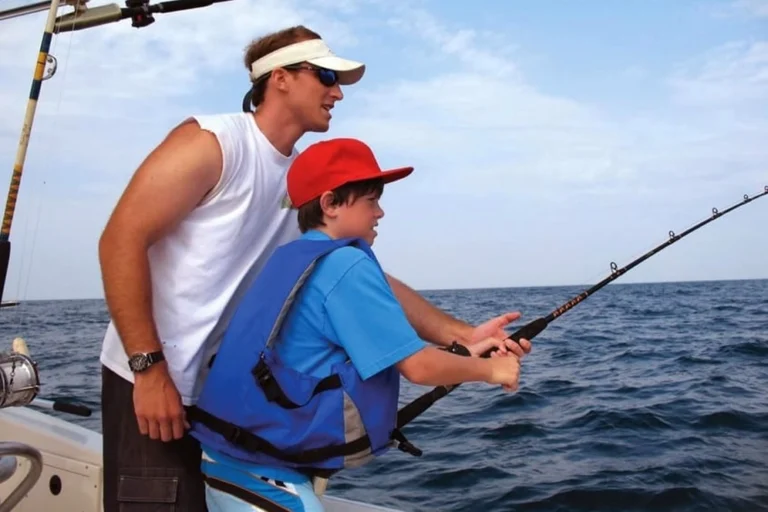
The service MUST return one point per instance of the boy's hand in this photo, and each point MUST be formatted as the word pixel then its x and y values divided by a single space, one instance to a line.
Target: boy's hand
pixel 494 328
pixel 505 371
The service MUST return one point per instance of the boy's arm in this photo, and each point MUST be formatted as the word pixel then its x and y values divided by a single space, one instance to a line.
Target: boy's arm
pixel 430 323
pixel 366 319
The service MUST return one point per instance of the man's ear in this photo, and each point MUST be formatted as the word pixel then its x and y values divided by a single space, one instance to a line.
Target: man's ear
pixel 279 79
pixel 327 206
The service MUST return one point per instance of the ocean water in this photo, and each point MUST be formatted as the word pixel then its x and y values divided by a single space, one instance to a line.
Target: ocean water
pixel 643 397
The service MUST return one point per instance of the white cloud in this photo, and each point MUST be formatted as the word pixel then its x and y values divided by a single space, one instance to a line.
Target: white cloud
pixel 481 52
pixel 757 8
pixel 480 122
pixel 483 129
pixel 738 9
pixel 733 75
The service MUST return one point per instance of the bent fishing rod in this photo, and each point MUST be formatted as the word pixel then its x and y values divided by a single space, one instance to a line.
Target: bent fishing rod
pixel 411 411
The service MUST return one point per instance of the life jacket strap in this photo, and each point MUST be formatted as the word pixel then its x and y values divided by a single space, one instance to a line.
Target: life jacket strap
pixel 274 393
pixel 404 444
pixel 251 442
pixel 245 495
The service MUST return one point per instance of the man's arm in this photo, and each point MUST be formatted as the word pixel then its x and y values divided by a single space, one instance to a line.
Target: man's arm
pixel 171 181
pixel 440 328
pixel 166 187
pixel 430 323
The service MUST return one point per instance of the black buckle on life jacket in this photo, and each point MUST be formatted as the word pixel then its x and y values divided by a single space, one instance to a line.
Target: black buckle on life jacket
pixel 265 379
pixel 404 444
pixel 234 435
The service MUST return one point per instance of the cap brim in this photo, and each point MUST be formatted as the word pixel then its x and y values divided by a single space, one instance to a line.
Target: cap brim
pixel 386 176
pixel 349 71
pixel 395 174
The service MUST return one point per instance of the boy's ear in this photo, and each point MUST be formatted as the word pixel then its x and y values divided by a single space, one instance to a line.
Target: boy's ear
pixel 326 204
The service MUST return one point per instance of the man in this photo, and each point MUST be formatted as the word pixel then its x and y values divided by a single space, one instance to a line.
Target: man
pixel 196 222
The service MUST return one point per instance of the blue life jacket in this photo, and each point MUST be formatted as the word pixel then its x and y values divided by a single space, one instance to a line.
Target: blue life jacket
pixel 254 408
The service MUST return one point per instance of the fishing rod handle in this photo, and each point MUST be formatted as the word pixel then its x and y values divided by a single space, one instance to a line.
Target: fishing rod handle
pixel 62 406
pixel 78 410
pixel 411 411
pixel 528 332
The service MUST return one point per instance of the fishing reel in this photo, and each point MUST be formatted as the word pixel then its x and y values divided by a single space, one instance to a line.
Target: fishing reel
pixel 19 377
pixel 140 13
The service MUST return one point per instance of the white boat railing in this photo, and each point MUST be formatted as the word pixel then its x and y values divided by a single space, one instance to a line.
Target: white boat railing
pixel 14 449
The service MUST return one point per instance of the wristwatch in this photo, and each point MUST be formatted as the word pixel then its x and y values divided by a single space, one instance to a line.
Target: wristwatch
pixel 141 361
pixel 457 348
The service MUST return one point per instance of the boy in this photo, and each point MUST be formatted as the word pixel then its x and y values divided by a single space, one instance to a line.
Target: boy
pixel 306 381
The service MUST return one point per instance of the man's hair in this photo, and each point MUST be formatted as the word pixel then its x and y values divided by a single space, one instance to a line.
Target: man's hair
pixel 311 214
pixel 268 44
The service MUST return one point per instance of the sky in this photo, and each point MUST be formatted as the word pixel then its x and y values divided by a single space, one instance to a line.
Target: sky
pixel 549 139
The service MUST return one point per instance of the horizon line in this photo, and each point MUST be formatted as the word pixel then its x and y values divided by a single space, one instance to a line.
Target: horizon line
pixel 520 287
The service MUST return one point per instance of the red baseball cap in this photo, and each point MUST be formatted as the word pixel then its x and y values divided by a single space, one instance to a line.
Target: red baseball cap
pixel 329 164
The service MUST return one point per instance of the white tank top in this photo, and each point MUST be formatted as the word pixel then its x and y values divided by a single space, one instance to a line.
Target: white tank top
pixel 197 268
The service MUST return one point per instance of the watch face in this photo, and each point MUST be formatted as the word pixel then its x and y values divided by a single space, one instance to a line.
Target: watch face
pixel 138 362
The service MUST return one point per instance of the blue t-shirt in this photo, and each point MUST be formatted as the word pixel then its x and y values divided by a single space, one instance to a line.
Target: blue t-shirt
pixel 345 309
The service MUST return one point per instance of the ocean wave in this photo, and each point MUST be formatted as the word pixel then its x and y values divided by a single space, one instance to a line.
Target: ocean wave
pixel 600 420
pixel 674 499
pixel 746 348
pixel 734 420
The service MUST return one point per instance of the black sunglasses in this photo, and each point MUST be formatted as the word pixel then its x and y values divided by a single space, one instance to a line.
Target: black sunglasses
pixel 327 77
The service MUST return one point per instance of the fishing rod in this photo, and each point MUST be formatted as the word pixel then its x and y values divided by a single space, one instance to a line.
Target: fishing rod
pixel 140 11
pixel 141 14
pixel 411 411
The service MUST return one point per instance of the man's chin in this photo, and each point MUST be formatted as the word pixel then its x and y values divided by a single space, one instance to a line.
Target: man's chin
pixel 320 127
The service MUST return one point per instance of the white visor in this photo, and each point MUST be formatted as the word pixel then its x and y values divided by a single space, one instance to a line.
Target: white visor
pixel 314 51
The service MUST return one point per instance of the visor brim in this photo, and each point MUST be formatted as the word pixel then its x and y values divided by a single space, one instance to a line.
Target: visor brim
pixel 350 71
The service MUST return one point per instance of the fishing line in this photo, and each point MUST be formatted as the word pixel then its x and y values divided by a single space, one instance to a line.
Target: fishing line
pixel 53 148
pixel 51 152
pixel 411 411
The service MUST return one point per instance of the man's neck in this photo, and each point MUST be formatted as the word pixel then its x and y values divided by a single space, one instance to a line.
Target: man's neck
pixel 279 129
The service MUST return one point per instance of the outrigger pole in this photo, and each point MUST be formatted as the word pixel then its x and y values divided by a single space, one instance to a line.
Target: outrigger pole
pixel 83 17
pixel 414 409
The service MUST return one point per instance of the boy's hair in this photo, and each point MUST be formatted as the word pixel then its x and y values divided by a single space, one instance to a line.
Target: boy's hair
pixel 311 214
pixel 268 44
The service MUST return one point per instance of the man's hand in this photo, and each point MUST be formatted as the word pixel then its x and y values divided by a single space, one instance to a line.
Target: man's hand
pixel 477 348
pixel 494 328
pixel 159 410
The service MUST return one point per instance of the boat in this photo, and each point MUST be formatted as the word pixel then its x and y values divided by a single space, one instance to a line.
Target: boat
pixel 48 463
